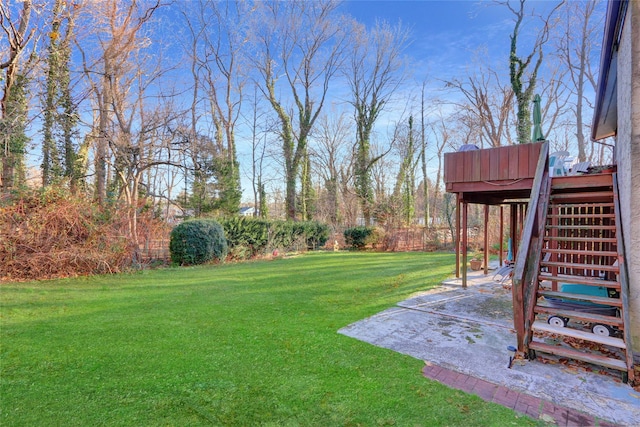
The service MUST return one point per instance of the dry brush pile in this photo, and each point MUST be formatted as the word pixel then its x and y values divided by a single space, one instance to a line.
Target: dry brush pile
pixel 51 234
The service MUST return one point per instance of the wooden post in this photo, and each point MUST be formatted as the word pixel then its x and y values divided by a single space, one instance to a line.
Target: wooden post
pixel 464 244
pixel 521 220
pixel 486 239
pixel 501 234
pixel 513 232
pixel 457 235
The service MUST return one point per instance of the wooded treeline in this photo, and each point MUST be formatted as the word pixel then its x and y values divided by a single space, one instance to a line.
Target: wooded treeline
pixel 175 107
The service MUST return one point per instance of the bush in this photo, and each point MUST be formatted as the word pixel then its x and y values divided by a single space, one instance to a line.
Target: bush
pixel 197 241
pixel 246 231
pixel 246 237
pixel 357 237
pixel 316 234
pixel 250 237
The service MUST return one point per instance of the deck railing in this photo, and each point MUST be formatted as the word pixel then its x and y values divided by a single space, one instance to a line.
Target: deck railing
pixel 510 162
pixel 528 257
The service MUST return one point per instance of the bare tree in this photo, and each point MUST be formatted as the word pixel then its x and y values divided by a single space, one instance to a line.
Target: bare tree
pixel 329 154
pixel 111 74
pixel 258 153
pixel 576 49
pixel 404 190
pixel 488 104
pixel 522 71
pixel 374 74
pixel 302 43
pixel 218 35
pixel 555 100
pixel 447 131
pixel 13 108
pixel 135 122
pixel 423 158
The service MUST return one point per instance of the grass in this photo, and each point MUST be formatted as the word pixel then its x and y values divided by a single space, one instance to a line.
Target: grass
pixel 234 345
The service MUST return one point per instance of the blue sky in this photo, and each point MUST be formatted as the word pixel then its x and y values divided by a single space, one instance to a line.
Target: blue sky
pixel 445 33
pixel 448 33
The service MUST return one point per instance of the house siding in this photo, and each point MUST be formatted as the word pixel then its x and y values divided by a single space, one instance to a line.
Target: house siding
pixel 628 156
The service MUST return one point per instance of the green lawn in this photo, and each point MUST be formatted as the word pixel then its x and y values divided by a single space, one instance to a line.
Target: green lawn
pixel 237 344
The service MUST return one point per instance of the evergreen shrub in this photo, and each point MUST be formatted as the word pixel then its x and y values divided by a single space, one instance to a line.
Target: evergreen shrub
pixel 197 241
pixel 250 237
pixel 358 237
pixel 316 234
pixel 246 237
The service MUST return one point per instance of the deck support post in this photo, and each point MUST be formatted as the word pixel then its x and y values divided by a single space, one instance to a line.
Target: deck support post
pixel 486 239
pixel 464 243
pixel 501 234
pixel 521 219
pixel 513 232
pixel 457 237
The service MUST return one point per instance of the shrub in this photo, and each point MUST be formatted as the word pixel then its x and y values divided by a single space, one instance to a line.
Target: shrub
pixel 246 237
pixel 316 234
pixel 356 237
pixel 250 237
pixel 197 241
pixel 377 237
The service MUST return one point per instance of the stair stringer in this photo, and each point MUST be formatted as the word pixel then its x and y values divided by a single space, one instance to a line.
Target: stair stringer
pixel 532 269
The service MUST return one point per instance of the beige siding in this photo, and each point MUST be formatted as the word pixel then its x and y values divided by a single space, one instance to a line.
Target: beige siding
pixel 628 155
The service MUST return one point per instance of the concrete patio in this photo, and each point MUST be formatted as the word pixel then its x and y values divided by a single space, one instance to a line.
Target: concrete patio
pixel 467 331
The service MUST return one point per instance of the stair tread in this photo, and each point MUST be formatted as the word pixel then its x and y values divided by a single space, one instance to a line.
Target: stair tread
pixel 579 252
pixel 579 315
pixel 590 215
pixel 582 280
pixel 539 325
pixel 581 239
pixel 585 266
pixel 581 227
pixel 579 355
pixel 585 194
pixel 615 302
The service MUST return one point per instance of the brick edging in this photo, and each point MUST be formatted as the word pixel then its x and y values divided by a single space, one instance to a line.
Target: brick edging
pixel 523 403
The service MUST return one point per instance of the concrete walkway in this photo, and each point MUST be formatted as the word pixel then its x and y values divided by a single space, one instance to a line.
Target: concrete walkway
pixel 463 335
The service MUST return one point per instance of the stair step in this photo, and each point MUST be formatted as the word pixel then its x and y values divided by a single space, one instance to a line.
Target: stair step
pixel 576 252
pixel 579 315
pixel 582 216
pixel 583 196
pixel 581 239
pixel 614 302
pixel 596 359
pixel 581 266
pixel 586 205
pixel 581 227
pixel 581 280
pixel 539 325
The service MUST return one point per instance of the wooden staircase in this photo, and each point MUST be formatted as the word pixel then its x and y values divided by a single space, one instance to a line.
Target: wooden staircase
pixel 580 243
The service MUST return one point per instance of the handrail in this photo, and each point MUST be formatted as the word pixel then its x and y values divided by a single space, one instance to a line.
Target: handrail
pixel 528 257
pixel 624 281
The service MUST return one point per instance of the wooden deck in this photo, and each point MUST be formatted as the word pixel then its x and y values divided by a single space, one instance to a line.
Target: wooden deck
pixel 492 175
